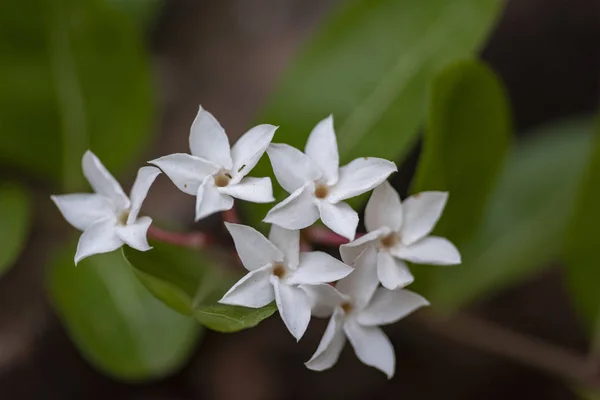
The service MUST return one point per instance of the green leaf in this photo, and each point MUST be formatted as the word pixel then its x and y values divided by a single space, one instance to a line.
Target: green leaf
pixel 115 322
pixel 15 214
pixel 581 244
pixel 189 282
pixel 369 65
pixel 523 225
pixel 74 75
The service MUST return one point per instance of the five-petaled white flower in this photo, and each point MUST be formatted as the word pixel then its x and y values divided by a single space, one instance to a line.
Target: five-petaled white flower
pixel 359 306
pixel 400 233
pixel 277 268
pixel 216 173
pixel 318 185
pixel 108 218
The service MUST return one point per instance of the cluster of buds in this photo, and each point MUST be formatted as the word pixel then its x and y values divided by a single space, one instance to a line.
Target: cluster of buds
pixel 363 291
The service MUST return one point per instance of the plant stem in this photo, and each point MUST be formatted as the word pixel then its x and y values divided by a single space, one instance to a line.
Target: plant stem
pixel 193 239
pixel 323 236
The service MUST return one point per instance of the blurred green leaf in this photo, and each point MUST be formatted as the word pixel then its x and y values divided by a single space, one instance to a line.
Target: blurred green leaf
pixel 143 12
pixel 115 322
pixel 74 75
pixel 15 214
pixel 369 65
pixel 523 226
pixel 581 244
pixel 189 282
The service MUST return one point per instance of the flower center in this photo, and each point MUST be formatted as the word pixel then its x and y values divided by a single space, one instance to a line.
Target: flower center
pixel 279 270
pixel 222 178
pixel 321 191
pixel 389 241
pixel 347 307
pixel 122 218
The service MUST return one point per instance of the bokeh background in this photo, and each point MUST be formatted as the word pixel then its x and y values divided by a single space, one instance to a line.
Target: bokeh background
pixel 229 55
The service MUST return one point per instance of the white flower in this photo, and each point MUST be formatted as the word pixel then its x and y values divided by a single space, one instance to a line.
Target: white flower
pixel 358 308
pixel 214 173
pixel 318 185
pixel 108 218
pixel 276 269
pixel 400 233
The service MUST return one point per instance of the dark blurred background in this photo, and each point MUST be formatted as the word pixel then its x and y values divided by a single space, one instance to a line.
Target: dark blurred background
pixel 227 55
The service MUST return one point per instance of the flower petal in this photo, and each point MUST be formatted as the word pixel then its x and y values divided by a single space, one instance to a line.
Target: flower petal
pixel 421 213
pixel 83 209
pixel 249 148
pixel 102 181
pixel 293 305
pixel 254 290
pixel 362 282
pixel 185 171
pixel 331 344
pixel 98 238
pixel 393 274
pixel 134 235
pixel 317 267
pixel 340 218
pixel 256 190
pixel 351 251
pixel 384 209
pixel 297 211
pixel 255 250
pixel 432 250
pixel 371 346
pixel 322 148
pixel 145 178
pixel 292 168
pixel 360 176
pixel 288 241
pixel 389 306
pixel 209 140
pixel 209 201
pixel 324 299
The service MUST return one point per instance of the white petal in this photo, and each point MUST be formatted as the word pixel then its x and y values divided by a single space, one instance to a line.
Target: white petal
pixel 393 274
pixel 340 218
pixel 371 346
pixel 293 305
pixel 360 176
pixel 102 181
pixel 254 290
pixel 292 168
pixel 432 250
pixel 384 209
pixel 249 148
pixel 322 148
pixel 296 212
pixel 83 209
pixel 134 235
pixel 185 171
pixel 389 306
pixel 324 299
pixel 421 213
pixel 145 178
pixel 98 238
pixel 360 285
pixel 209 140
pixel 331 344
pixel 351 251
pixel 318 267
pixel 288 241
pixel 256 190
pixel 210 201
pixel 255 250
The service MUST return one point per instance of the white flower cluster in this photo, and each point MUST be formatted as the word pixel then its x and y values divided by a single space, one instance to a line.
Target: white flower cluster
pixel 301 283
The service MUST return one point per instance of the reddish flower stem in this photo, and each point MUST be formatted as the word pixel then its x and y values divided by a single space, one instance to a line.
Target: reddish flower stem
pixel 323 236
pixel 191 239
pixel 231 216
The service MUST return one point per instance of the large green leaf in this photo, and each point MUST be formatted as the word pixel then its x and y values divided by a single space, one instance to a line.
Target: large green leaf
pixel 115 322
pixel 369 65
pixel 523 226
pixel 191 282
pixel 74 75
pixel 581 248
pixel 15 214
